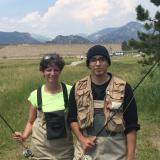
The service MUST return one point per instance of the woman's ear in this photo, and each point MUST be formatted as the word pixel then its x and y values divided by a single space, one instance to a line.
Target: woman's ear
pixel 42 72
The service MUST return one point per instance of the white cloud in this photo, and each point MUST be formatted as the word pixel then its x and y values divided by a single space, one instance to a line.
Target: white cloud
pixel 31 17
pixel 74 16
pixel 90 10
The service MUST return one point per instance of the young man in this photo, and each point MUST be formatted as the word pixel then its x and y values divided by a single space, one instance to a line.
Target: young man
pixel 98 99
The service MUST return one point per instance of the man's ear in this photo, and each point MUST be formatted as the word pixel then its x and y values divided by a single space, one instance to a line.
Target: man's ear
pixel 108 64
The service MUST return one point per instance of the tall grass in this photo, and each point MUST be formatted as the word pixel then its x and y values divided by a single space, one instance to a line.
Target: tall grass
pixel 15 85
pixel 19 78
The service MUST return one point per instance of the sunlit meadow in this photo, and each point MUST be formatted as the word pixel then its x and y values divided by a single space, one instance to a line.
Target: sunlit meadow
pixel 19 77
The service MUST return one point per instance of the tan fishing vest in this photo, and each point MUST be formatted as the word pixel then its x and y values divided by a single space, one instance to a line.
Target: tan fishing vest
pixel 112 103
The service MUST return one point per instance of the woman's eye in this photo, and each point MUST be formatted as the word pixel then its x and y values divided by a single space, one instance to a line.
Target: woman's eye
pixel 48 70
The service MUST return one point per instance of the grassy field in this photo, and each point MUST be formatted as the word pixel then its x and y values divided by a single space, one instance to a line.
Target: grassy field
pixel 19 77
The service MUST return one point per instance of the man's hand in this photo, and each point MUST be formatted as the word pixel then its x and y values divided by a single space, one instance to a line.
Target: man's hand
pixel 88 142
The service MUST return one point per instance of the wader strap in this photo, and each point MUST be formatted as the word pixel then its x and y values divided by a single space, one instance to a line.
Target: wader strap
pixel 39 96
pixel 65 95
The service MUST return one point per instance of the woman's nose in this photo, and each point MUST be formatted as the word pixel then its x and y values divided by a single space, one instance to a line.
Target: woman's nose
pixel 52 72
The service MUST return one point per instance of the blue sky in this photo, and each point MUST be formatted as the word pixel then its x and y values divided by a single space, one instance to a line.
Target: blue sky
pixel 54 17
pixel 18 8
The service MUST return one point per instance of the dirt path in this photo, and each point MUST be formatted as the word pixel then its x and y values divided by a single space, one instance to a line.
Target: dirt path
pixel 76 63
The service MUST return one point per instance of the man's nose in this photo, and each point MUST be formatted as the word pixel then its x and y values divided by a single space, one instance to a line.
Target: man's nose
pixel 97 62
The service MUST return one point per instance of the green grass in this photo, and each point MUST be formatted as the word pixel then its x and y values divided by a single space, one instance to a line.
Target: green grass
pixel 1 46
pixel 19 77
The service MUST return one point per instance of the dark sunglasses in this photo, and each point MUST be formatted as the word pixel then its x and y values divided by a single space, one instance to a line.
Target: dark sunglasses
pixel 100 59
pixel 47 57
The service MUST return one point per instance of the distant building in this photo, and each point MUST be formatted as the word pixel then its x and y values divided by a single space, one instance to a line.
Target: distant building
pixel 118 53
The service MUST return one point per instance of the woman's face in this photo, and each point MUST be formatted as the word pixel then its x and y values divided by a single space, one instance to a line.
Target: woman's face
pixel 52 73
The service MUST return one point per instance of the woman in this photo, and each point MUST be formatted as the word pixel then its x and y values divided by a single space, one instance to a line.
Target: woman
pixel 51 138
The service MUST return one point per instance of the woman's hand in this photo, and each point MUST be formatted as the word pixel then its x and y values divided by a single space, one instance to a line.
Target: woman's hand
pixel 18 136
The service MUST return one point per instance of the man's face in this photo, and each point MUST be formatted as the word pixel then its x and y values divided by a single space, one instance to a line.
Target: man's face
pixel 98 65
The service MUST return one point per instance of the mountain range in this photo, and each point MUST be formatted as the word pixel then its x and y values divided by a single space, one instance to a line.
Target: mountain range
pixel 17 38
pixel 107 35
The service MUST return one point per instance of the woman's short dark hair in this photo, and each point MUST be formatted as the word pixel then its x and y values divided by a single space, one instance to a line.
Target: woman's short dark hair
pixel 50 59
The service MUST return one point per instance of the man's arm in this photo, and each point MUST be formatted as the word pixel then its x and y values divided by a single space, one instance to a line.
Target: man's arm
pixel 131 121
pixel 131 145
pixel 86 142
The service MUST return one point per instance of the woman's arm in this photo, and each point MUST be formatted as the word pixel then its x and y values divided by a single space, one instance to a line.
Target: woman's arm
pixel 28 128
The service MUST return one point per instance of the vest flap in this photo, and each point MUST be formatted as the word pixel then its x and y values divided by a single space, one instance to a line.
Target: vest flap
pixel 116 105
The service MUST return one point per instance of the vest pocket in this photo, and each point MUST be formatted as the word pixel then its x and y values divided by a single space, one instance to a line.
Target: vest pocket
pixel 55 125
pixel 116 124
pixel 82 112
pixel 84 117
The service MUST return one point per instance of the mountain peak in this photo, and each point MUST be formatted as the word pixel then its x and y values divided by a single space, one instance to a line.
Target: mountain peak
pixel 70 39
pixel 117 34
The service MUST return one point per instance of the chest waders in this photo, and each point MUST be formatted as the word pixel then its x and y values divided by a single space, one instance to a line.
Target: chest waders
pixel 109 145
pixel 51 138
